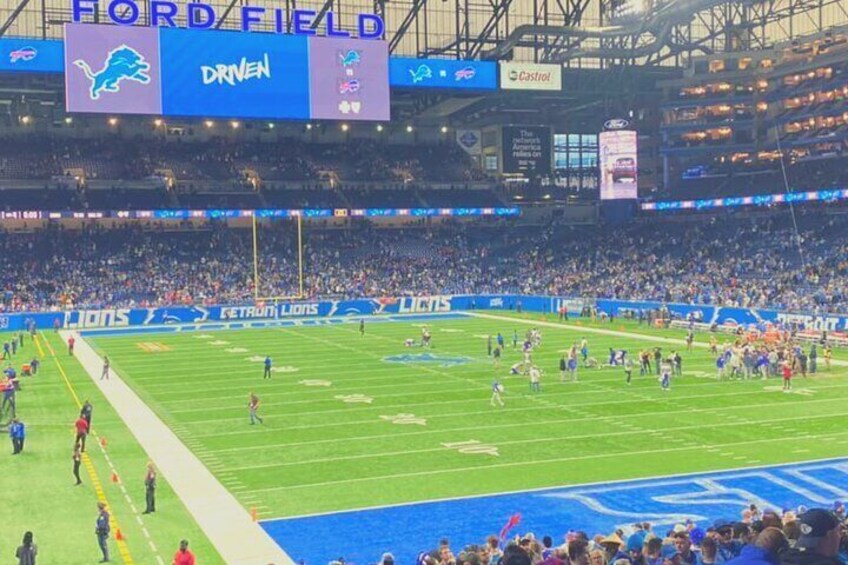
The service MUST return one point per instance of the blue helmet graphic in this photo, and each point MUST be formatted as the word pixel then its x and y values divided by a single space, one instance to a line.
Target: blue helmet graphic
pixel 123 63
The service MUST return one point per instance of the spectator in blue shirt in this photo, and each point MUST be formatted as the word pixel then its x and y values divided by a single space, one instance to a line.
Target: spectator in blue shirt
pixel 17 433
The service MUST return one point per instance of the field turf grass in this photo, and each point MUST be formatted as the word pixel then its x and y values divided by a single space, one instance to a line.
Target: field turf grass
pixel 323 449
pixel 38 486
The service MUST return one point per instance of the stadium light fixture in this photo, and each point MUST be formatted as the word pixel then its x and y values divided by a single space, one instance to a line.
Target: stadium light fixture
pixel 308 126
pixel 158 122
pixel 379 127
pixel 234 124
pixel 444 129
pixel 25 120
pixel 270 126
pixel 345 127
pixel 113 122
pixel 409 129
pixel 209 124
pixel 69 120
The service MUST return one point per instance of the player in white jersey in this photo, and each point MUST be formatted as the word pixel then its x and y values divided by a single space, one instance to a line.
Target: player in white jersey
pixel 535 379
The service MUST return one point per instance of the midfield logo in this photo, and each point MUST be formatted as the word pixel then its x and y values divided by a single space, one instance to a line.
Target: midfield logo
pixel 237 73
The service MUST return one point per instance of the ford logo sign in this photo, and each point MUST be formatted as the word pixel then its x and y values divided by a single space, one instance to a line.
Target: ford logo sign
pixel 616 124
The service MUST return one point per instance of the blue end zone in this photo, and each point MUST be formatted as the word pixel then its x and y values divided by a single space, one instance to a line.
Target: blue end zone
pixel 294 322
pixel 361 536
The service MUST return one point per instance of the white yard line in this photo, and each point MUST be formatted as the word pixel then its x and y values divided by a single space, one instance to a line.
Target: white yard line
pixel 226 523
pixel 619 455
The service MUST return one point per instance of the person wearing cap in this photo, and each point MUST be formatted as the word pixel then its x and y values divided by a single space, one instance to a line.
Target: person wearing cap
pixel 387 559
pixel 818 544
pixel 766 549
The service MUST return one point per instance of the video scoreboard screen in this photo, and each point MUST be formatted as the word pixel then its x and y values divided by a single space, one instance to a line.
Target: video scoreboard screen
pixel 181 72
pixel 618 164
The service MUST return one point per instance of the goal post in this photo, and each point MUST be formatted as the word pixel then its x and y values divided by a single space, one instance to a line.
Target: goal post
pixel 258 295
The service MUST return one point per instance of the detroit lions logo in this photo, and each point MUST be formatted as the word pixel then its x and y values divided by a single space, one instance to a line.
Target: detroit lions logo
pixel 422 73
pixel 352 57
pixel 428 358
pixel 123 63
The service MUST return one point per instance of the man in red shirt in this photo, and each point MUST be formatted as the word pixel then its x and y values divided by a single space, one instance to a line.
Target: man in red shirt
pixel 184 556
pixel 82 432
pixel 787 377
pixel 71 342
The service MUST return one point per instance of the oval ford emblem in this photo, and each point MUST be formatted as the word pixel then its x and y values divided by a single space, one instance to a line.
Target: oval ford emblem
pixel 616 124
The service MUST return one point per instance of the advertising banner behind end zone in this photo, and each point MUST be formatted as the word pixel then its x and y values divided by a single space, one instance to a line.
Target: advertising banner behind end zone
pixel 112 69
pixel 130 317
pixel 225 74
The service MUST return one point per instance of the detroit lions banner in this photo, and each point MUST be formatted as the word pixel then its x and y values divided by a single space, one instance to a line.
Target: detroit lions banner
pixel 226 74
pixel 112 69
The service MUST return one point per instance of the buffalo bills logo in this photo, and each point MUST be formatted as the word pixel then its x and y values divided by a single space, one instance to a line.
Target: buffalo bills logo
pixel 465 73
pixel 123 63
pixel 349 86
pixel 23 54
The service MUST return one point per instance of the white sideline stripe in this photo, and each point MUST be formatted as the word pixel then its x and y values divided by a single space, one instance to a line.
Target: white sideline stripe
pixel 533 462
pixel 223 519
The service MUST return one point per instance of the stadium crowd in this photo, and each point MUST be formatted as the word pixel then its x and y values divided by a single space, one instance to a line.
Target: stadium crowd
pixel 744 263
pixel 218 159
pixel 803 537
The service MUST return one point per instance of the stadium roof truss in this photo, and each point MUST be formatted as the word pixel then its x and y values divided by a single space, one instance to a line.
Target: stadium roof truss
pixel 577 33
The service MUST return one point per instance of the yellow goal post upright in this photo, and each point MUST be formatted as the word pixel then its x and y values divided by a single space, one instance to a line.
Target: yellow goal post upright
pixel 258 297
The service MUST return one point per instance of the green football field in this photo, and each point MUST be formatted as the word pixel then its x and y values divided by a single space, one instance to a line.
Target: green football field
pixel 348 427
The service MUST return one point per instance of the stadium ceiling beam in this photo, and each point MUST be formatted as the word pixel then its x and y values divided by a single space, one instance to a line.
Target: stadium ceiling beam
pixel 319 17
pixel 226 13
pixel 13 16
pixel 407 22
pixel 499 10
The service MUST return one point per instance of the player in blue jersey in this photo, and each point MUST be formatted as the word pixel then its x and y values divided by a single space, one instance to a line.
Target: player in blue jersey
pixel 572 368
pixel 500 341
pixel 665 376
pixel 267 373
pixel 584 349
pixel 497 389
pixel 721 361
